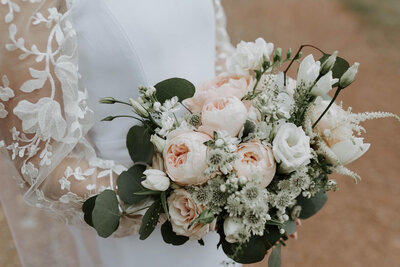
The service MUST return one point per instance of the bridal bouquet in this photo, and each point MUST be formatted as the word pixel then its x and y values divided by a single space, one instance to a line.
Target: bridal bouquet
pixel 246 154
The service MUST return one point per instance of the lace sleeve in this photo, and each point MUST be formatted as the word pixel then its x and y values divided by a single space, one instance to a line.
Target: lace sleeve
pixel 223 43
pixel 43 112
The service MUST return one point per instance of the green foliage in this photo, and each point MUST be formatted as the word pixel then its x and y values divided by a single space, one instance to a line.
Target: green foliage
pixel 87 209
pixel 290 227
pixel 105 215
pixel 174 87
pixel 170 237
pixel 271 235
pixel 206 217
pixel 164 203
pixel 310 206
pixel 246 253
pixel 249 127
pixel 140 147
pixel 150 219
pixel 129 183
pixel 275 257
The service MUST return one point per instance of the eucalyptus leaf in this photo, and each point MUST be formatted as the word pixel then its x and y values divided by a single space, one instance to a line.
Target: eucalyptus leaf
pixel 150 219
pixel 246 253
pixel 174 87
pixel 249 127
pixel 148 193
pixel 170 237
pixel 310 206
pixel 340 67
pixel 129 183
pixel 106 213
pixel 87 209
pixel 140 148
pixel 290 227
pixel 275 257
pixel 271 235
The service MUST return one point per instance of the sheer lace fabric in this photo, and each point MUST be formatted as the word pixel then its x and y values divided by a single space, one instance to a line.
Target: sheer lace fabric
pixel 44 116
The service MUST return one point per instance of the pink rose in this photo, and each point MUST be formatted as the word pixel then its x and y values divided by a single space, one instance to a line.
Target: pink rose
pixel 221 86
pixel 185 157
pixel 223 114
pixel 183 211
pixel 255 158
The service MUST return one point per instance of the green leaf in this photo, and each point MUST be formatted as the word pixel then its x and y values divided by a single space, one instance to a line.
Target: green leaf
pixel 206 217
pixel 148 193
pixel 140 147
pixel 290 227
pixel 249 127
pixel 174 87
pixel 201 242
pixel 271 235
pixel 246 253
pixel 106 214
pixel 340 67
pixel 164 204
pixel 275 257
pixel 310 206
pixel 170 237
pixel 150 220
pixel 129 183
pixel 87 209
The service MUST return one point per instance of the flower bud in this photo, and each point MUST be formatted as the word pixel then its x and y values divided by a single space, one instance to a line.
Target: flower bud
pixel 328 63
pixel 233 227
pixel 109 118
pixel 298 56
pixel 278 54
pixel 107 100
pixel 138 108
pixel 289 53
pixel 157 106
pixel 158 142
pixel 150 91
pixel 156 180
pixel 348 77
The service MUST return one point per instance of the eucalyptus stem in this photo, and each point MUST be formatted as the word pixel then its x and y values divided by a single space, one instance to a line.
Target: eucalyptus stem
pixel 294 58
pixel 330 104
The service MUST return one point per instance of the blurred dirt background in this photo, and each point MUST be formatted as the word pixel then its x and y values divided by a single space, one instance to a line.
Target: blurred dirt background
pixel 360 225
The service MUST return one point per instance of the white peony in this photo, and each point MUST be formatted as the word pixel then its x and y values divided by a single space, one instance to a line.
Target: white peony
pixel 156 180
pixel 233 226
pixel 337 132
pixel 249 56
pixel 291 147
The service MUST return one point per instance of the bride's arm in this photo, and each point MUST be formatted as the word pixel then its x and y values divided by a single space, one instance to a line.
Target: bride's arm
pixel 43 113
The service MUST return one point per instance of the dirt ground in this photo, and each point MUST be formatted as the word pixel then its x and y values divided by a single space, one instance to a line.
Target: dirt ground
pixel 360 225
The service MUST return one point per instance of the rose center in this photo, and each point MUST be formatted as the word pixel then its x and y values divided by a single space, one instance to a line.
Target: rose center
pixel 177 154
pixel 250 158
pixel 219 104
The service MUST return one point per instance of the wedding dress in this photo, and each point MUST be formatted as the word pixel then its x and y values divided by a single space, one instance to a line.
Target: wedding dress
pixel 49 111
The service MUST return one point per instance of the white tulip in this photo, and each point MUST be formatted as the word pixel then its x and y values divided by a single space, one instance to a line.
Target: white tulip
pixel 156 180
pixel 308 71
pixel 158 142
pixel 324 85
pixel 233 226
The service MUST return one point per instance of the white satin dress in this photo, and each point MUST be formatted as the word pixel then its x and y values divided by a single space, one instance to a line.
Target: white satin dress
pixel 126 43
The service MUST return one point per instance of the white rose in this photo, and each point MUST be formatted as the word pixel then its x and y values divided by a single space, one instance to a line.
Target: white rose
pixel 156 180
pixel 337 133
pixel 233 226
pixel 291 147
pixel 183 211
pixel 249 56
pixel 223 114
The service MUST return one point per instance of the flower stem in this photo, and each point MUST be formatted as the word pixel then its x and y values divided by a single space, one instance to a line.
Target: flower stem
pixel 327 108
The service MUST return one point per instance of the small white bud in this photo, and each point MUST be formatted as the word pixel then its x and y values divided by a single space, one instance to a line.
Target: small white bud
pixel 242 180
pixel 328 63
pixel 268 217
pixel 281 231
pixel 219 142
pixel 157 106
pixel 222 188
pixel 348 77
pixel 150 91
pixel 285 217
pixel 138 108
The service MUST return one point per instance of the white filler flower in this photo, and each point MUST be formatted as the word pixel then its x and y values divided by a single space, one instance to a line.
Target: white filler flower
pixel 291 147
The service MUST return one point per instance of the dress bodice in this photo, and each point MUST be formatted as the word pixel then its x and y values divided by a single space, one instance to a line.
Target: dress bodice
pixel 126 43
